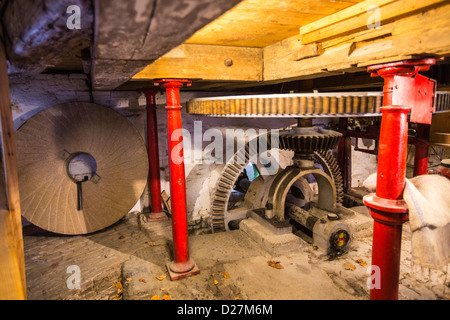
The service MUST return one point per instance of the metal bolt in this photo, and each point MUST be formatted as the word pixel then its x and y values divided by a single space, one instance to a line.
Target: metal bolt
pixel 332 216
pixel 228 62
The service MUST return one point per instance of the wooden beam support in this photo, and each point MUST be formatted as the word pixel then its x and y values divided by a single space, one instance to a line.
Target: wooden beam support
pixel 407 37
pixel 414 30
pixel 148 29
pixel 361 16
pixel 35 33
pixel 307 51
pixel 205 62
pixel 12 264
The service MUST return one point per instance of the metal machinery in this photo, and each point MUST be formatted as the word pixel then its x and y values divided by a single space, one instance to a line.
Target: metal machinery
pixel 305 195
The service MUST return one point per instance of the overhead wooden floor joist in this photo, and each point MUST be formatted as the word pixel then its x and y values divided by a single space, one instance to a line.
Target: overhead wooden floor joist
pixel 147 30
pixel 346 41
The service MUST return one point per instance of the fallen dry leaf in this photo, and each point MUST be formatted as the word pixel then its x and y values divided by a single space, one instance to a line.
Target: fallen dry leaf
pixel 119 287
pixel 122 237
pixel 361 262
pixel 275 264
pixel 142 280
pixel 161 277
pixel 226 275
pixel 155 297
pixel 118 284
pixel 349 266
pixel 166 297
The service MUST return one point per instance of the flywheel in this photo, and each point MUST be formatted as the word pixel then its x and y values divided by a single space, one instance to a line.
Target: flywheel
pixel 82 167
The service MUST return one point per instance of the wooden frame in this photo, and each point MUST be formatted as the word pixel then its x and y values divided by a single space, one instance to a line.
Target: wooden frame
pixel 336 44
pixel 12 264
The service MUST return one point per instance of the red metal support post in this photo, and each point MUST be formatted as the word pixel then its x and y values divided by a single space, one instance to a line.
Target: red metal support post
pixel 182 266
pixel 154 181
pixel 387 206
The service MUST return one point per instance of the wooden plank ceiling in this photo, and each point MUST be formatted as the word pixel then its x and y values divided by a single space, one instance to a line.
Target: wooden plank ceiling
pixel 256 23
pixel 261 42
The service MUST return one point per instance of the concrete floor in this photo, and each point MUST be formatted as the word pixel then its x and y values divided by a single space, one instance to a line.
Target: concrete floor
pixel 127 261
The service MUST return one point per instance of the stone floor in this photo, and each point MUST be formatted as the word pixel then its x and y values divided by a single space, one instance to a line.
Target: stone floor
pixel 127 262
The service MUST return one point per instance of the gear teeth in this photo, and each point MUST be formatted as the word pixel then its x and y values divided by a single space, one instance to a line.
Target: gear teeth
pixel 309 142
pixel 224 186
pixel 298 105
pixel 232 170
pixel 331 167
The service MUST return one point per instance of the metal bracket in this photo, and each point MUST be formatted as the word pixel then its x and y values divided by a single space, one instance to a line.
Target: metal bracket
pixel 418 93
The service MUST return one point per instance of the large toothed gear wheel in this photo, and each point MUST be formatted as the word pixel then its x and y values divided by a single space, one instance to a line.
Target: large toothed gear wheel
pixel 327 104
pixel 329 165
pixel 290 105
pixel 221 214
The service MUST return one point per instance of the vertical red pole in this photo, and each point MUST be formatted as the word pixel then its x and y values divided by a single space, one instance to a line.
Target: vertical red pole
pixel 154 180
pixel 387 206
pixel 182 266
pixel 421 149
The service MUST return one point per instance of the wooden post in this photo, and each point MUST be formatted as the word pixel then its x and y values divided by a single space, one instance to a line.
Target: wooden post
pixel 12 262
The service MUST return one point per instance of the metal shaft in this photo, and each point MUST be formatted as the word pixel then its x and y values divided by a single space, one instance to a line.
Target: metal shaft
pixel 80 193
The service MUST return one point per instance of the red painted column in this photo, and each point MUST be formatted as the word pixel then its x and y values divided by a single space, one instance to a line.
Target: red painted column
pixel 183 265
pixel 154 179
pixel 387 206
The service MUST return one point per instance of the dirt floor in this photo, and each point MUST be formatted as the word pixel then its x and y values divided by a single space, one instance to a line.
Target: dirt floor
pixel 127 262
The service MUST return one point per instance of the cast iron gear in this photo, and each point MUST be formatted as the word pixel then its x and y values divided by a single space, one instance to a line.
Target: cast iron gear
pixel 307 140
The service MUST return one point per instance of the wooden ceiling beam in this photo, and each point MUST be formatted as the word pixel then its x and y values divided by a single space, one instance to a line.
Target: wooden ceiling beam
pixel 418 34
pixel 129 35
pixel 205 62
pixel 36 33
pixel 361 16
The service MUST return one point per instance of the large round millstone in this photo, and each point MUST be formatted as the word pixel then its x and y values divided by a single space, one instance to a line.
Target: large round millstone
pixel 81 167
